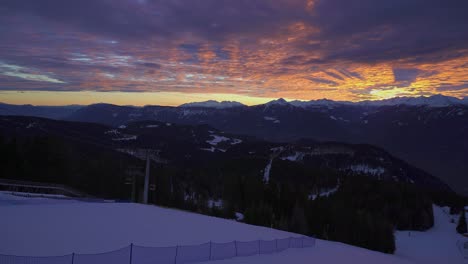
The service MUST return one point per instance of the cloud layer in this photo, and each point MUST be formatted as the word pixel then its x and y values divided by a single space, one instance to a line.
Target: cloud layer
pixel 304 49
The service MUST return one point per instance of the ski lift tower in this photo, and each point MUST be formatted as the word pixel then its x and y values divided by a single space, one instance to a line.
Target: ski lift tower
pixel 135 174
pixel 147 173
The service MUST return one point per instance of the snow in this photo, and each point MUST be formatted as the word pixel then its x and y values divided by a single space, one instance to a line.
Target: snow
pixel 152 126
pixel 437 245
pixel 213 104
pixel 122 127
pixel 215 203
pixel 277 149
pixel 17 199
pixel 80 227
pixel 273 119
pixel 325 193
pixel 217 139
pixel 213 149
pixel 236 141
pixel 297 156
pixel 266 171
pixel 334 118
pixel 112 132
pixel 25 196
pixel 432 101
pixel 239 216
pixel 324 252
pixel 126 138
pixel 31 125
pixel 367 169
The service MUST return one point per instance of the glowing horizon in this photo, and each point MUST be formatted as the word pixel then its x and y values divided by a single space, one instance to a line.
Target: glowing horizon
pixel 47 98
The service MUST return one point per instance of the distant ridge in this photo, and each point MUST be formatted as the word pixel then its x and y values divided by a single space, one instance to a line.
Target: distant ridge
pixel 213 104
pixel 432 101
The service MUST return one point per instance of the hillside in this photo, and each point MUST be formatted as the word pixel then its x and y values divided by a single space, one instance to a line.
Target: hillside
pixel 433 138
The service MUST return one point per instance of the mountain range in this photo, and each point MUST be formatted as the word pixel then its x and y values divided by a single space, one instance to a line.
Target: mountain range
pixel 430 133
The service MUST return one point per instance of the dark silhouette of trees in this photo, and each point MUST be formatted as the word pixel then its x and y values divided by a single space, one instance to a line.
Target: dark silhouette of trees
pixel 461 227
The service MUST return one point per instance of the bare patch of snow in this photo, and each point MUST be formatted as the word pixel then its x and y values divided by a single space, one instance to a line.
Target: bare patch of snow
pixel 236 141
pixel 364 168
pixel 266 171
pixel 239 216
pixel 273 119
pixel 277 149
pixel 112 132
pixel 297 156
pixel 217 139
pixel 126 138
pixel 31 125
pixel 213 149
pixel 324 193
pixel 215 203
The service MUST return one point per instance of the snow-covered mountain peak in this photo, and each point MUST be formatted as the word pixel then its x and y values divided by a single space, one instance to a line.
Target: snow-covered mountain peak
pixel 437 100
pixel 279 101
pixel 213 104
pixel 319 102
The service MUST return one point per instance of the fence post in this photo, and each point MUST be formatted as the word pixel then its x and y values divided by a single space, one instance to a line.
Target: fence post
pixel 131 252
pixel 210 251
pixel 175 258
pixel 235 245
pixel 73 257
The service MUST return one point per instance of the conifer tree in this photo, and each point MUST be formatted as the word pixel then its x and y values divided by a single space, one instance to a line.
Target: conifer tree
pixel 461 227
pixel 298 221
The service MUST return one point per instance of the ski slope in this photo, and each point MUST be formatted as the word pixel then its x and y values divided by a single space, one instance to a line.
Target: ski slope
pixel 437 245
pixel 44 227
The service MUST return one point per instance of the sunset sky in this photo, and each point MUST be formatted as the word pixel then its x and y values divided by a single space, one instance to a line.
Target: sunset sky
pixel 174 51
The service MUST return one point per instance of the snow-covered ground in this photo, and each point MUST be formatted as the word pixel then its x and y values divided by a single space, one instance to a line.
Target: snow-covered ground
pixel 42 227
pixel 324 193
pixel 437 245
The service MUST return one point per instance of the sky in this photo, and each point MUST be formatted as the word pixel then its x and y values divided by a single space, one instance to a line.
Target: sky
pixel 175 51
